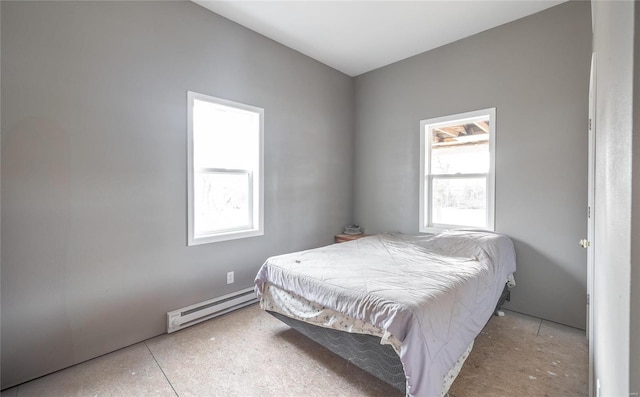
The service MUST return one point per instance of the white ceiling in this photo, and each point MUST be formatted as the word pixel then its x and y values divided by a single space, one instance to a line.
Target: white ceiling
pixel 359 36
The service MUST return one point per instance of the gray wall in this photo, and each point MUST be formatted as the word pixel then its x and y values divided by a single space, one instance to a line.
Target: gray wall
pixel 94 169
pixel 613 45
pixel 536 72
pixel 634 352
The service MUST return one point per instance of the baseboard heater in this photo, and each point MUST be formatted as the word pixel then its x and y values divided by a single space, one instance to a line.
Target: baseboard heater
pixel 194 314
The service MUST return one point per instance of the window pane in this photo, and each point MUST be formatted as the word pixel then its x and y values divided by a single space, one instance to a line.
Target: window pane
pixel 459 201
pixel 221 202
pixel 224 137
pixel 460 148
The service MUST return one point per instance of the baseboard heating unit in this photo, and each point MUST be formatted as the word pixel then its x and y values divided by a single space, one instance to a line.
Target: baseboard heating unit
pixel 194 314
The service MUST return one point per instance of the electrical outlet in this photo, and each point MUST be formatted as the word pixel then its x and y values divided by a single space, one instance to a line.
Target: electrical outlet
pixel 230 278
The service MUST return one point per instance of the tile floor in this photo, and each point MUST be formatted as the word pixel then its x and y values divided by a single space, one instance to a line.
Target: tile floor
pixel 250 353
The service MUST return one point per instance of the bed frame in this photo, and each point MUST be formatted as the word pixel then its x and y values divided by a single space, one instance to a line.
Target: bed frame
pixel 364 351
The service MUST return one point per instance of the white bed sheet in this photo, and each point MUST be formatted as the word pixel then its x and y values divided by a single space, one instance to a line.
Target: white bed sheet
pixel 294 306
pixel 432 293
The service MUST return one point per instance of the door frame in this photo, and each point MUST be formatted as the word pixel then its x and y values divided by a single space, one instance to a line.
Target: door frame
pixel 591 301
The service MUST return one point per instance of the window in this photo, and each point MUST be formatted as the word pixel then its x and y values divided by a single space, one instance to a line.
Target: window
pixel 457 168
pixel 225 170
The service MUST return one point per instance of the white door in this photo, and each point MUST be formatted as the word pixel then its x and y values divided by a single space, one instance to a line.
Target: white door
pixel 589 243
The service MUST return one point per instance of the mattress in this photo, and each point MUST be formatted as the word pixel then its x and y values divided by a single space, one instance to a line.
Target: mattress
pixel 350 339
pixel 362 350
pixel 432 294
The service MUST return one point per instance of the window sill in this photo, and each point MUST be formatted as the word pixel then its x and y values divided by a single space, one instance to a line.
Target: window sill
pixel 214 238
pixel 440 229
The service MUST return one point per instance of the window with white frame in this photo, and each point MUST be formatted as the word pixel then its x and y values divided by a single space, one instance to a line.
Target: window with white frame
pixel 225 169
pixel 457 171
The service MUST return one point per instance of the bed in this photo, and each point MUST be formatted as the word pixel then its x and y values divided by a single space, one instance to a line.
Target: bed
pixel 416 303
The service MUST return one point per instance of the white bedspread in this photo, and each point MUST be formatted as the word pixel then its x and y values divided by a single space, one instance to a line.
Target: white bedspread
pixel 433 293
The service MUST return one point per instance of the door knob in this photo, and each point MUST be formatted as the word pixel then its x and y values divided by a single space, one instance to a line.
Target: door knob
pixel 584 243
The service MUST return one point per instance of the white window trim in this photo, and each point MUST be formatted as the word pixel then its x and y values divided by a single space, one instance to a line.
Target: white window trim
pixel 426 226
pixel 258 207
